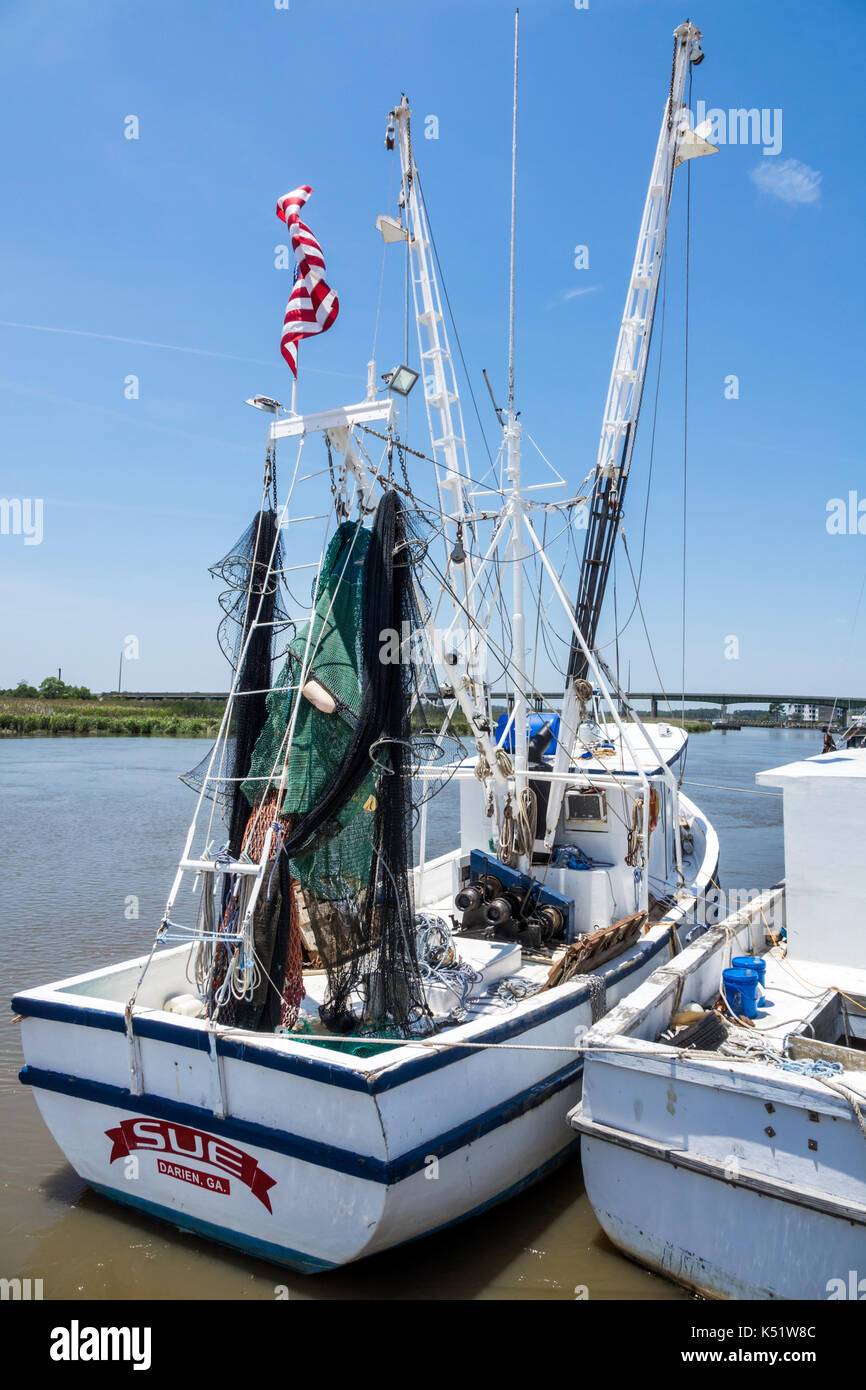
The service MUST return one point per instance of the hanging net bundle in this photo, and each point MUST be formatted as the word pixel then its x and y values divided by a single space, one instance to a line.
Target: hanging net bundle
pixel 254 616
pixel 348 801
pixel 325 761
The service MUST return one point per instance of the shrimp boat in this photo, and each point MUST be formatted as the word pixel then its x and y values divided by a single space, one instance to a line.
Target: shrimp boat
pixel 340 1041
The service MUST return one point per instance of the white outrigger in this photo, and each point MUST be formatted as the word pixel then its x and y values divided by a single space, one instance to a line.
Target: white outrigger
pixel 734 1160
pixel 576 868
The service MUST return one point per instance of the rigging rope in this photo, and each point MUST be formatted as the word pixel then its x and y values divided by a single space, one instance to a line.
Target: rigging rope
pixel 686 411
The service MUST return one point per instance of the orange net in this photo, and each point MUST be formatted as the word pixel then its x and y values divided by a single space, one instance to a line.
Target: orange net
pixel 284 949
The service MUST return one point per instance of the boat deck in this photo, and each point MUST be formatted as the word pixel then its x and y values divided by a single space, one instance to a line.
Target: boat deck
pixel 663 747
pixel 798 1001
pixel 504 977
pixel 817 1012
pixel 809 1020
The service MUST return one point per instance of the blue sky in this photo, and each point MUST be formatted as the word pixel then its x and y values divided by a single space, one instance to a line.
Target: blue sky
pixel 169 239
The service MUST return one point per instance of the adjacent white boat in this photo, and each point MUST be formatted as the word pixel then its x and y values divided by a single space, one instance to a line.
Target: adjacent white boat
pixel 316 1063
pixel 855 734
pixel 738 1166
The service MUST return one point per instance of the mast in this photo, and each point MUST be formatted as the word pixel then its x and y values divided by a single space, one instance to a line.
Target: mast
pixel 513 474
pixel 628 374
pixel 441 396
pixel 464 661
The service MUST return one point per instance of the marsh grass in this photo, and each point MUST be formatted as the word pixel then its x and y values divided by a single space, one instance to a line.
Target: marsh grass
pixel 107 718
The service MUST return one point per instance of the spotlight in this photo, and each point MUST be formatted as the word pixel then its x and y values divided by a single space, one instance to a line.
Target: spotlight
pixel 401 380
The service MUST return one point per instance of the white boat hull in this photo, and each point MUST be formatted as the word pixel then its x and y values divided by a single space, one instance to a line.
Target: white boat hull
pixel 717 1236
pixel 295 1208
pixel 303 1154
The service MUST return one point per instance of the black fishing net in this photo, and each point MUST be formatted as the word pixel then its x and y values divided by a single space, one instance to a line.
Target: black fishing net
pixel 254 618
pixel 253 608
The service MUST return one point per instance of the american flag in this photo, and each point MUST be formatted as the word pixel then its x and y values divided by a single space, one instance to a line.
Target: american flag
pixel 313 306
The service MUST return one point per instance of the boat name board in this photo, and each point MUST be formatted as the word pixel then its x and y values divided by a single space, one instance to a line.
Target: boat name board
pixel 159 1136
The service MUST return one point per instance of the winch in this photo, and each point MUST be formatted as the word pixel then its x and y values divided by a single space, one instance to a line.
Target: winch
pixel 500 901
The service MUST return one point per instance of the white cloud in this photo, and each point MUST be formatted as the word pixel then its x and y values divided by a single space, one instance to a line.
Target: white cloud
pixel 574 294
pixel 789 180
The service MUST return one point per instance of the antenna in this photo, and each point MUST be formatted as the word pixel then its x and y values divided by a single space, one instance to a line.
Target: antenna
pixel 492 397
pixel 513 222
pixel 515 504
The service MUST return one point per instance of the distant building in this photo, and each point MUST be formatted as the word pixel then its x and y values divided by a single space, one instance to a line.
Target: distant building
pixel 809 714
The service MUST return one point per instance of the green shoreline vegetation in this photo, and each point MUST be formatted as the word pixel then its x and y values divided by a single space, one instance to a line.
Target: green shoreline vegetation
pixel 59 710
pixel 56 710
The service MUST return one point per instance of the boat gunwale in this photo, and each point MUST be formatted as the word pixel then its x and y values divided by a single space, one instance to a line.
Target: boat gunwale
pixel 755 1079
pixel 611 1042
pixel 633 1010
pixel 708 1167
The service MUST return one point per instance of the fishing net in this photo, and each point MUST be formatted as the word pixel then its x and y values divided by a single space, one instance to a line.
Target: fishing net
pixel 253 619
pixel 328 648
pixel 325 757
pixel 349 773
pixel 277 986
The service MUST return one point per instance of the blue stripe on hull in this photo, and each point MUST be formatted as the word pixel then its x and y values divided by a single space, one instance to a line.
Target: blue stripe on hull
pixel 324 1155
pixel 295 1259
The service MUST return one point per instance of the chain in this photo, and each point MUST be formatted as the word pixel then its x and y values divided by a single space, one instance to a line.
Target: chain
pixel 331 471
pixel 270 475
pixel 671 92
pixel 401 455
pixel 411 160
pixel 405 447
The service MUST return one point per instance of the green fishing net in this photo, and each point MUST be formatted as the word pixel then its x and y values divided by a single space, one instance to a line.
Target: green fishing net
pixel 339 866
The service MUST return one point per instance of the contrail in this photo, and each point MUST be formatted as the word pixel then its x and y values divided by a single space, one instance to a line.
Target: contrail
pixel 168 347
pixel 19 389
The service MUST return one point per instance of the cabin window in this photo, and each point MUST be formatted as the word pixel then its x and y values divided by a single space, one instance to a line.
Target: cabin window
pixel 586 810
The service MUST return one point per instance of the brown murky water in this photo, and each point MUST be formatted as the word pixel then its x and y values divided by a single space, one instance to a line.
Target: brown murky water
pixel 85 823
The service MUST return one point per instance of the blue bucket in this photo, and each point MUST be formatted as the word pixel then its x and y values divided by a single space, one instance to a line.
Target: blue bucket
pixel 756 963
pixel 740 986
pixel 759 965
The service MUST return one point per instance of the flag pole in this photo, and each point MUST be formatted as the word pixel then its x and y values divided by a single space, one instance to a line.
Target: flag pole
pixel 295 380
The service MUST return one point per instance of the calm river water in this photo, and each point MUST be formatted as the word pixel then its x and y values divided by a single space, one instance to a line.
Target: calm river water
pixel 84 824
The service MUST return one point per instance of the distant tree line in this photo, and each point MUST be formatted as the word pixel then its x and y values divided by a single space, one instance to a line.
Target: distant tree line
pixel 52 688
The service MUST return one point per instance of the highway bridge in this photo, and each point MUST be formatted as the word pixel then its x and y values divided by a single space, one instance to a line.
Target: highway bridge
pixel 657 699
pixel 842 703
